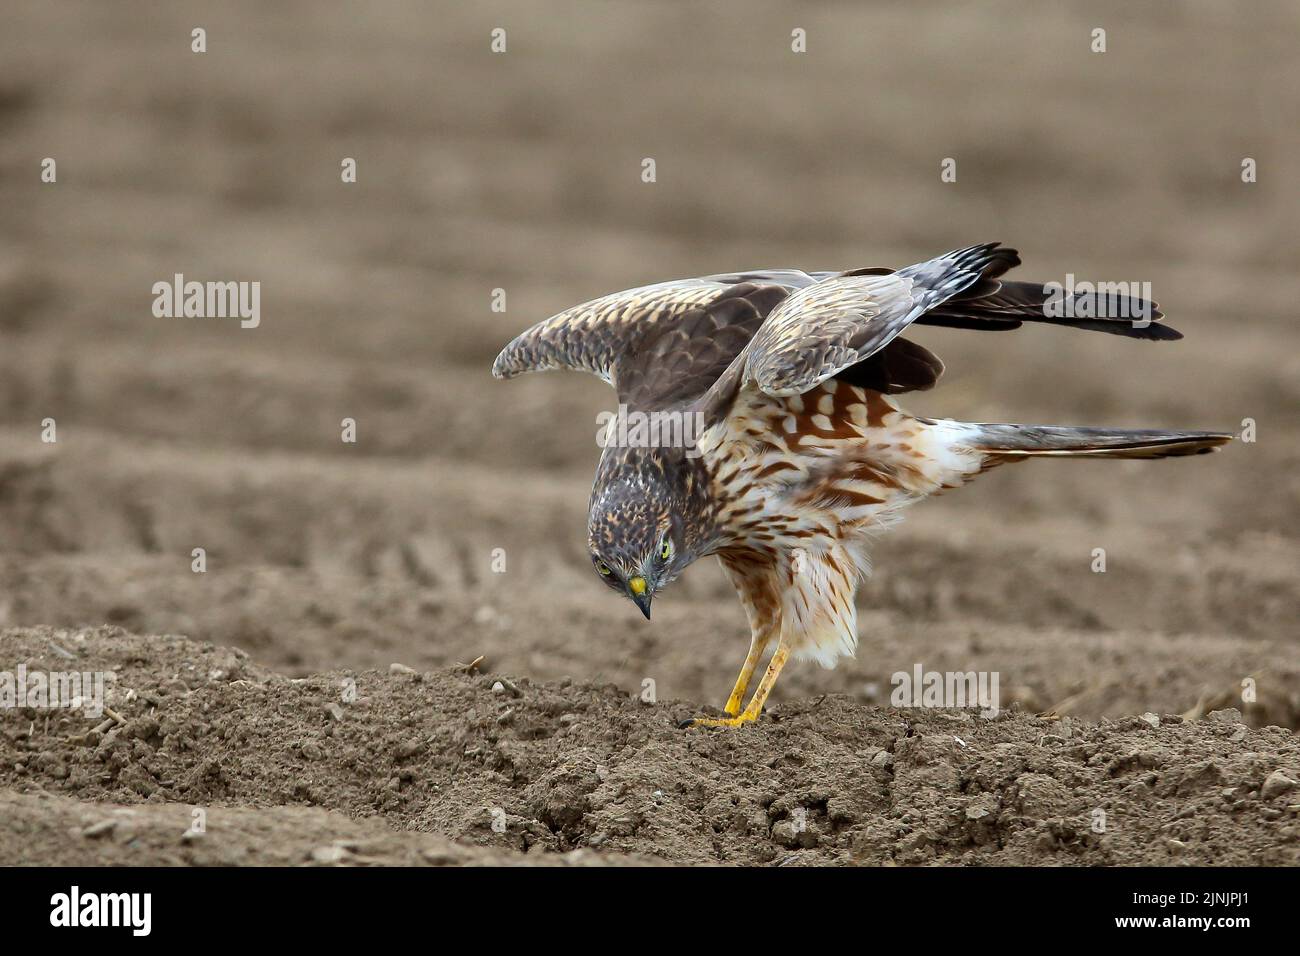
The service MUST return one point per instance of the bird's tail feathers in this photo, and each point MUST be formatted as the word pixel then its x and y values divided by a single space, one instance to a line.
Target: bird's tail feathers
pixel 1017 441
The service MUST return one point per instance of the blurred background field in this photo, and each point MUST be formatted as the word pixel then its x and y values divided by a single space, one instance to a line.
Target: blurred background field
pixel 521 171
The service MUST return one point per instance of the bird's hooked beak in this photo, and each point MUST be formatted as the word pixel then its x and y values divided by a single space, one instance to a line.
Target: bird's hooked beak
pixel 640 593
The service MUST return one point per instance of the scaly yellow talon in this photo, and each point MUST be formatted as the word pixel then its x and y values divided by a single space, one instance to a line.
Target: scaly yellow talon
pixel 716 721
pixel 757 645
pixel 755 703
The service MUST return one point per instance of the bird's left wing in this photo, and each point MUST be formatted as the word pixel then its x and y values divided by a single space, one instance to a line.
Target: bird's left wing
pixel 827 327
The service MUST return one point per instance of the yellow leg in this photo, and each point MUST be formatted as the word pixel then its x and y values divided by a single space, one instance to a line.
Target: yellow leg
pixel 756 702
pixel 757 645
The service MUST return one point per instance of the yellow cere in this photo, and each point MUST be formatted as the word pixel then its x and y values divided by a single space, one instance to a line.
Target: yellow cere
pixel 637 584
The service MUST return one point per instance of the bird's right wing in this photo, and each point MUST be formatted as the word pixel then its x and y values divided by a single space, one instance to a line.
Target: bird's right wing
pixel 595 336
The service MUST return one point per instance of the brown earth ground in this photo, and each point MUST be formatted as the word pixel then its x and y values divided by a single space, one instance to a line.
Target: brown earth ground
pixel 522 172
pixel 309 770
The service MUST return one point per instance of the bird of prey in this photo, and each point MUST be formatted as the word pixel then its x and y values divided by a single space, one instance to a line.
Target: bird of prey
pixel 802 452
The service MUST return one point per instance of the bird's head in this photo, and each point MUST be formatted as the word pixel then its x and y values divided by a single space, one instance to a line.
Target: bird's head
pixel 641 530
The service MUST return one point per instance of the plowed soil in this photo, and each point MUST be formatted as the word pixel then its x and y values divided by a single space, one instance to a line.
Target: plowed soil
pixel 330 769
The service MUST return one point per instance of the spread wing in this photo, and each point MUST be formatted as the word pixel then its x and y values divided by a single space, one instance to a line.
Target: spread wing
pixel 785 330
pixel 1017 302
pixel 676 362
pixel 666 344
pixel 846 322
pixel 830 326
pixel 656 344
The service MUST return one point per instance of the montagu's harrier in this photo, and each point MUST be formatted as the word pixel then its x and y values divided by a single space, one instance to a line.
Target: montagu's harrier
pixel 803 451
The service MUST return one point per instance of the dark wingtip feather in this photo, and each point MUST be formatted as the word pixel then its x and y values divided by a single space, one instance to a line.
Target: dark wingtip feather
pixel 1159 333
pixel 1151 332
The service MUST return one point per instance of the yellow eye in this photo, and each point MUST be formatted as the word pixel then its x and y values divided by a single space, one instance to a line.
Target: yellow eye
pixel 603 568
pixel 666 550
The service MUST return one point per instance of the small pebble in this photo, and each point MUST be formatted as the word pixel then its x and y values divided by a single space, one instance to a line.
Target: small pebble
pixel 791 837
pixel 409 748
pixel 330 854
pixel 1275 784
